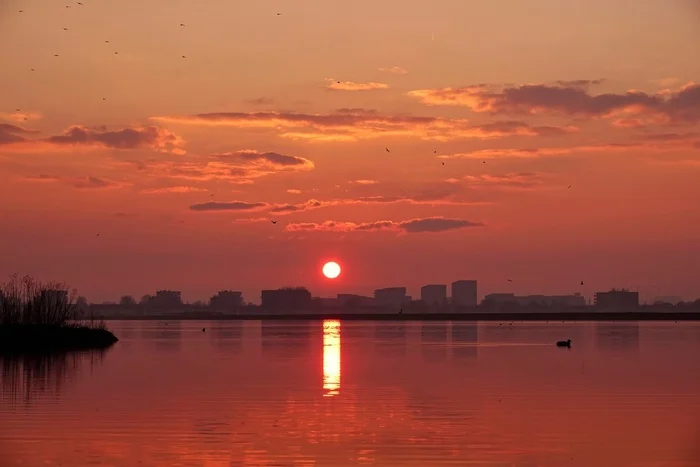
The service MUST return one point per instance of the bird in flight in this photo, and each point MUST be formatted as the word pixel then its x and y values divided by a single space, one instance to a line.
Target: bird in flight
pixel 387 150
pixel 581 282
pixel 55 55
pixel 65 29
pixel 80 4
pixel 569 186
pixel 279 14
pixel 106 42
pixel 274 222
pixel 510 280
pixel 67 6
pixel 184 56
pixel 116 53
pixel 21 11
pixel 182 25
pixel 443 163
pixel 98 235
pixel 31 69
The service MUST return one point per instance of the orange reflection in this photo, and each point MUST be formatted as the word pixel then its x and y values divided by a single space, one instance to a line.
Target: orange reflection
pixel 331 357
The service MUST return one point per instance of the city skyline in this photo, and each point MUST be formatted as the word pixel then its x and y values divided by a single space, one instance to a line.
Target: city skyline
pixel 147 146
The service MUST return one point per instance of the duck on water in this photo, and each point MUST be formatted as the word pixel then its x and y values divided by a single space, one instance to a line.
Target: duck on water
pixel 566 343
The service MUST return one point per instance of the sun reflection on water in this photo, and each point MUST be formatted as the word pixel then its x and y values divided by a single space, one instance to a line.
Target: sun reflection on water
pixel 331 357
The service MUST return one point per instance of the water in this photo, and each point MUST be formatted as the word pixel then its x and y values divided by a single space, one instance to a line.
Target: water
pixel 361 393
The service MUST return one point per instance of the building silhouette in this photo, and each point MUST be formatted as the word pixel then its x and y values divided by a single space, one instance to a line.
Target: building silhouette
pixel 574 300
pixel 464 293
pixel 288 299
pixel 434 294
pixel 391 296
pixel 346 300
pixel 614 298
pixel 226 300
pixel 165 299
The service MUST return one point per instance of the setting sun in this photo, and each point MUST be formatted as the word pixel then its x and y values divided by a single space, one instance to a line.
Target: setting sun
pixel 331 270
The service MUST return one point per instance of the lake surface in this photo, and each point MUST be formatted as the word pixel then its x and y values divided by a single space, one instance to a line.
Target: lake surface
pixel 361 393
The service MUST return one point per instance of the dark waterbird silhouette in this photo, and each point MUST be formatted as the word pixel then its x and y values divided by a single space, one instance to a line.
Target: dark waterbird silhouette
pixel 566 343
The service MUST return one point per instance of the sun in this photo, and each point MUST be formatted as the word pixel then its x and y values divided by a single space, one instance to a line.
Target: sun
pixel 331 269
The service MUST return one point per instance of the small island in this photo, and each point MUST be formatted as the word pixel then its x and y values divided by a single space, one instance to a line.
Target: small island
pixel 43 317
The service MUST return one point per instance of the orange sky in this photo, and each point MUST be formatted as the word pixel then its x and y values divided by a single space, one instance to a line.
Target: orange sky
pixel 179 144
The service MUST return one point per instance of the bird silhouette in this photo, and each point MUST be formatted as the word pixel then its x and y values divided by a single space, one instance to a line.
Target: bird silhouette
pixel 31 69
pixel 279 14
pixel 67 6
pixel 569 186
pixel 484 162
pixel 55 55
pixel 274 222
pixel 184 56
pixel 65 29
pixel 182 24
pixel 97 235
pixel 387 150
pixel 79 3
pixel 21 11
pixel 443 163
pixel 116 53
pixel 18 110
pixel 106 42
pixel 104 98
pixel 510 280
pixel 581 282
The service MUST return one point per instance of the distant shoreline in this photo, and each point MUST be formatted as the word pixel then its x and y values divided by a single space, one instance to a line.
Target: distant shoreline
pixel 483 316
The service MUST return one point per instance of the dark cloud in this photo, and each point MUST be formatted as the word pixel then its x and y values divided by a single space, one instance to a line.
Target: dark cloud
pixel 426 197
pixel 231 206
pixel 127 138
pixel 13 133
pixel 431 224
pixel 682 106
pixel 241 167
pixel 352 125
pixel 272 158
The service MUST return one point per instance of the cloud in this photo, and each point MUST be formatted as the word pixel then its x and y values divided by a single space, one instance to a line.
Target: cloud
pixel 353 126
pixel 173 189
pixel 660 143
pixel 682 106
pixel 20 116
pixel 364 182
pixel 13 134
pixel 335 85
pixel 82 183
pixel 240 167
pixel 397 70
pixel 294 191
pixel 430 224
pixel 152 137
pixel 513 180
pixel 434 198
pixel 231 206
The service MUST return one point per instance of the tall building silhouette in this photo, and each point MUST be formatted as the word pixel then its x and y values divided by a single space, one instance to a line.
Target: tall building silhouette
pixel 464 293
pixel 435 294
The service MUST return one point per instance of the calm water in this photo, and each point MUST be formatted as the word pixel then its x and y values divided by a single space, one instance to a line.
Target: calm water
pixel 340 394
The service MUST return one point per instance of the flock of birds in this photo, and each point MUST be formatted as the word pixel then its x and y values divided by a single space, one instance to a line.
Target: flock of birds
pixel 182 25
